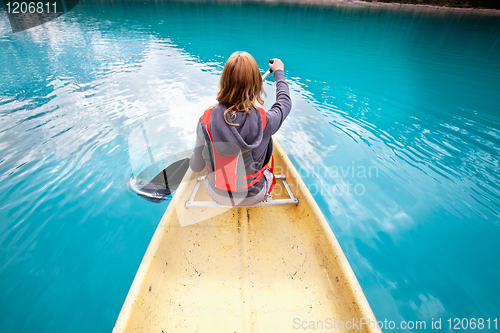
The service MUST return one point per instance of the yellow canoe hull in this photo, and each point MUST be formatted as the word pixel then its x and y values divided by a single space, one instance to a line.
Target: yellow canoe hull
pixel 245 269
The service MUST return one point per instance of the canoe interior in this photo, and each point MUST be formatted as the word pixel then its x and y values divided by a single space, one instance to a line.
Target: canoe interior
pixel 256 269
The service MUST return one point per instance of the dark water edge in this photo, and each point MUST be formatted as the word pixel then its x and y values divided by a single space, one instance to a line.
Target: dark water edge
pixel 479 4
pixel 488 7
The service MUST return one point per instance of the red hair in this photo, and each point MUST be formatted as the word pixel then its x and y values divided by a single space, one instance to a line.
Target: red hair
pixel 240 85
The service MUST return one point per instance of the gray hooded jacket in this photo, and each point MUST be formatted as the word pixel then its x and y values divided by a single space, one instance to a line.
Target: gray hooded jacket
pixel 248 136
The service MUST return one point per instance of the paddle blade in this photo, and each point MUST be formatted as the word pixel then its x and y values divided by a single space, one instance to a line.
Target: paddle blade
pixel 165 182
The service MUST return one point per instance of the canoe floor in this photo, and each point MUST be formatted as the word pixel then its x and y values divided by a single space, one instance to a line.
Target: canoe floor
pixel 245 269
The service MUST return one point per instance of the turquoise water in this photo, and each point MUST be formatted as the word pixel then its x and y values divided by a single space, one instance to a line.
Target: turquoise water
pixel 408 100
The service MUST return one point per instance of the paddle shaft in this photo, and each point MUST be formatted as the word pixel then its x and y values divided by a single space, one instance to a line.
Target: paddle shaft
pixel 269 71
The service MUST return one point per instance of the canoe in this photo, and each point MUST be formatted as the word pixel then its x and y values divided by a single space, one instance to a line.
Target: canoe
pixel 275 268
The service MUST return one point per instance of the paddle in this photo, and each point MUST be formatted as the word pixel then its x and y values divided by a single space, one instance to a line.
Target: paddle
pixel 169 179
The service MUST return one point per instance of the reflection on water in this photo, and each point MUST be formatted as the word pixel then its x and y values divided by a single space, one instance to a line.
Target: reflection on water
pixel 395 129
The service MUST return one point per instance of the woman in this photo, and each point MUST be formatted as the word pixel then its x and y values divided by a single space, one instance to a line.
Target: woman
pixel 234 136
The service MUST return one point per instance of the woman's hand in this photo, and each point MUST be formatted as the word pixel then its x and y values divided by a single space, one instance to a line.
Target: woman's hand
pixel 276 65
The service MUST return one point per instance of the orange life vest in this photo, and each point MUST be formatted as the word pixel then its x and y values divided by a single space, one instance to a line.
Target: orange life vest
pixel 223 170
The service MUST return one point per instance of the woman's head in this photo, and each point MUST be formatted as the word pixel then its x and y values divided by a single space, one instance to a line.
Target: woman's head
pixel 240 84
